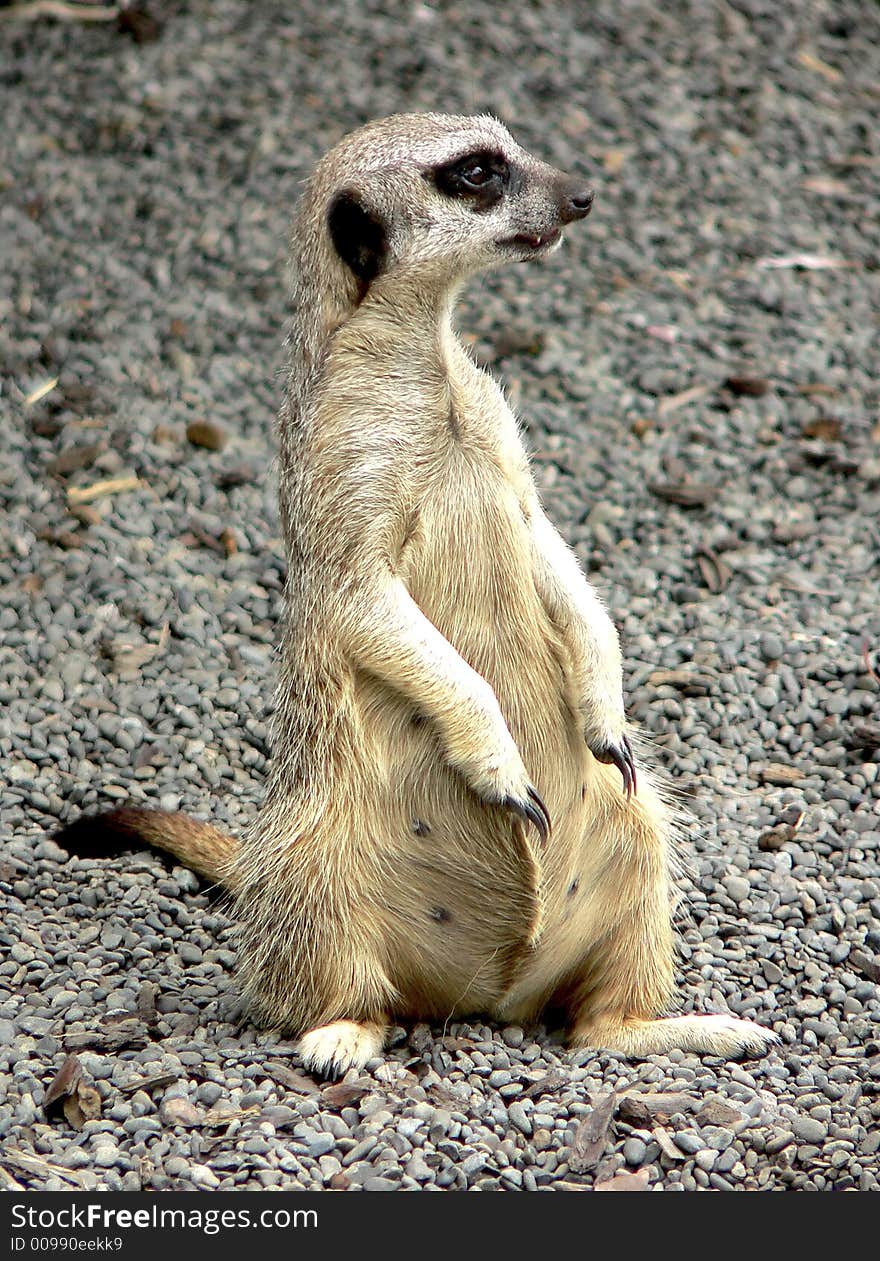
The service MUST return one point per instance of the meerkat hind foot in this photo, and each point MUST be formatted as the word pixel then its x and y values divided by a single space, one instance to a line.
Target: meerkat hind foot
pixel 331 1050
pixel 722 1035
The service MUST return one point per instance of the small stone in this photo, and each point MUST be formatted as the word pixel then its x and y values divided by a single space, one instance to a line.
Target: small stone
pixel 204 433
pixel 202 1176
pixel 520 1119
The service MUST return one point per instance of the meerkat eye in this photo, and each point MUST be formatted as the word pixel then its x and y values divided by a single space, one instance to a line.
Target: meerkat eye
pixel 476 175
pixel 481 178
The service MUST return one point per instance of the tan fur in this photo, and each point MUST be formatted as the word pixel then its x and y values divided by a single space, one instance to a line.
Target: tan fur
pixel 443 658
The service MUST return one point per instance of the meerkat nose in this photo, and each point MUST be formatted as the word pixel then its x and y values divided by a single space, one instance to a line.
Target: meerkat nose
pixel 576 204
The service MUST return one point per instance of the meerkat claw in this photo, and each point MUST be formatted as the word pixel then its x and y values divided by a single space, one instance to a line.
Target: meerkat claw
pixel 622 757
pixel 533 811
pixel 533 793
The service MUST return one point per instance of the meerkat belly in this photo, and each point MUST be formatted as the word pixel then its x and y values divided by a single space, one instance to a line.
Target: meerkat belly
pixel 465 890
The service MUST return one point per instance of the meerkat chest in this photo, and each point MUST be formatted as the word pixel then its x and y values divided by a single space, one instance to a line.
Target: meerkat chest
pixel 468 555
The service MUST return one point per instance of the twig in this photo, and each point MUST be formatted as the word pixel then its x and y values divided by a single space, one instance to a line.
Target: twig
pixel 866 657
pixel 62 10
pixel 82 494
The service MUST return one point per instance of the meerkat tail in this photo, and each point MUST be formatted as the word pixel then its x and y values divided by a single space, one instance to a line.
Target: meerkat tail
pixel 205 849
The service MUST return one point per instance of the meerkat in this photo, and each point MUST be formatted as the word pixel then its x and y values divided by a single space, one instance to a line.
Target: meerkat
pixel 453 822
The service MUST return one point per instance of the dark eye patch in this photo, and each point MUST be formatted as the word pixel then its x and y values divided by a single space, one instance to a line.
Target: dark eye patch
pixel 479 178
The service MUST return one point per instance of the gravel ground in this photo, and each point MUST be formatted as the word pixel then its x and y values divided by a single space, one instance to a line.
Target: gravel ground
pixel 699 372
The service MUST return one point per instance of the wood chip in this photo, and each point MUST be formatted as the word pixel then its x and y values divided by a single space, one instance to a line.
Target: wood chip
pixel 34 1164
pixel 591 1136
pixel 111 486
pixel 149 1084
pixel 805 262
pixel 690 682
pixel 751 387
pixel 641 1108
pixel 294 1080
pixel 666 1145
pixel 345 1094
pixel 685 494
pixel 716 1112
pixel 68 540
pixel 127 657
pixel 825 428
pixel 716 574
pixel 40 392
pixel 825 186
pixel 672 402
pixel 811 62
pixel 204 433
pixel 129 1034
pixel 637 1181
pixel 545 1085
pixel 779 775
pixel 864 963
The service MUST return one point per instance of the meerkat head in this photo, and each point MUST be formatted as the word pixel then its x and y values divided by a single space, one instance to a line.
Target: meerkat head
pixel 427 199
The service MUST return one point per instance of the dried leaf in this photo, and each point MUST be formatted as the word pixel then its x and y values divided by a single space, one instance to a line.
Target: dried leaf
pixel 591 1136
pixel 63 1083
pixel 84 1104
pixel 229 541
pixel 685 494
pixel 637 1181
pixel 781 776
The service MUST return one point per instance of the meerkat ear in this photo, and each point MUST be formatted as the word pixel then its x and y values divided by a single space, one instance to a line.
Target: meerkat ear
pixel 358 236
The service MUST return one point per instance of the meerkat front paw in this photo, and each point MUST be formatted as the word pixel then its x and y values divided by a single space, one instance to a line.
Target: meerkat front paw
pixel 619 753
pixel 504 782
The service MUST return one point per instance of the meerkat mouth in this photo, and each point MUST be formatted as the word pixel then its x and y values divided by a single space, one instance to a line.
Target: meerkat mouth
pixel 534 243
